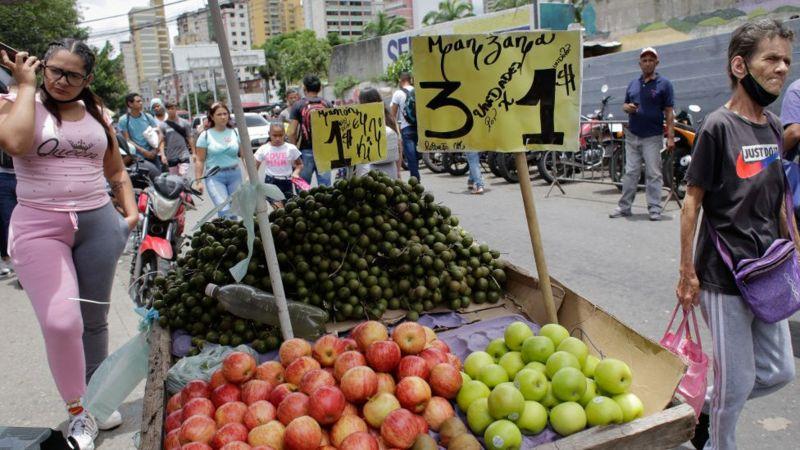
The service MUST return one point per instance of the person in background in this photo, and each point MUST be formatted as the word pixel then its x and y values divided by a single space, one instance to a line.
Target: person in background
pixel 158 110
pixel 281 160
pixel 178 140
pixel 475 180
pixel 790 116
pixel 300 128
pixel 737 178
pixel 392 163
pixel 648 101
pixel 292 96
pixel 66 236
pixel 134 123
pixel 8 200
pixel 408 131
pixel 218 146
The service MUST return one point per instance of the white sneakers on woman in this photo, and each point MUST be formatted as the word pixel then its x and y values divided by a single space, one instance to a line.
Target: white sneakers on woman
pixel 83 429
pixel 113 421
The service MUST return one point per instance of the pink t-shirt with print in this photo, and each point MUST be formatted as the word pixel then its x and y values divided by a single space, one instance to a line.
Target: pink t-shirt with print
pixel 63 170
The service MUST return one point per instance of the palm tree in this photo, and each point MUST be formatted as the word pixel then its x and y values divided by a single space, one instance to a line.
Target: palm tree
pixel 449 10
pixel 383 25
pixel 500 5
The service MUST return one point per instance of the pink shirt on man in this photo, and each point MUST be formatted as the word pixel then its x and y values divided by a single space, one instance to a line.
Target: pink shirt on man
pixel 63 170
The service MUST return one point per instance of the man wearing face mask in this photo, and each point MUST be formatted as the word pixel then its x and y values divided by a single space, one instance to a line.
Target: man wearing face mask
pixel 736 177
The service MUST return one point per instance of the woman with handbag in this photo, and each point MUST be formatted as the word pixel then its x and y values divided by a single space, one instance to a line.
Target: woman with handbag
pixel 218 146
pixel 744 267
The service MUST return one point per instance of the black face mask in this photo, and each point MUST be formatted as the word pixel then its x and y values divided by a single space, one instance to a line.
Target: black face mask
pixel 756 92
pixel 77 97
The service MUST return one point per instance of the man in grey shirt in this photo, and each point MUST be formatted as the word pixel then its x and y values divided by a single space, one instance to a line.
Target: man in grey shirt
pixel 178 141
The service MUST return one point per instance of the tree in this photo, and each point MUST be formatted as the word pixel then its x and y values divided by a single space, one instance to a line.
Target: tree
pixel 31 25
pixel 297 54
pixel 402 64
pixel 500 5
pixel 449 10
pixel 109 78
pixel 383 25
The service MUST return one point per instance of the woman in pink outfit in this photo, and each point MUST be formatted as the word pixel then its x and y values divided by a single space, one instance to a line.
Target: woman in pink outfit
pixel 66 237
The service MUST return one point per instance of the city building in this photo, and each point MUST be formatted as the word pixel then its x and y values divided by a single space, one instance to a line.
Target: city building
pixel 193 27
pixel 150 44
pixel 345 17
pixel 236 20
pixel 401 8
pixel 273 17
pixel 129 65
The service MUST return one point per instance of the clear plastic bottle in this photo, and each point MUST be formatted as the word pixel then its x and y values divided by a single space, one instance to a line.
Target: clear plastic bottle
pixel 247 302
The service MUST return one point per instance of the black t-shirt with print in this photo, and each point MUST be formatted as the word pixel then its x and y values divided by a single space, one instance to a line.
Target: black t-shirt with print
pixel 737 163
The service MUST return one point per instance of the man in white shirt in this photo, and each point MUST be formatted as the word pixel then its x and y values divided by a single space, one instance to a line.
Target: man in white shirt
pixel 408 126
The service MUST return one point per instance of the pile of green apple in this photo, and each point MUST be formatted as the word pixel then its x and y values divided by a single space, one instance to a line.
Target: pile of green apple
pixel 523 381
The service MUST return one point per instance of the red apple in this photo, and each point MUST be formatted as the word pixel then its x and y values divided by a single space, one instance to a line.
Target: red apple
pixel 326 405
pixel 314 379
pixel 326 438
pixel 430 335
pixel 194 389
pixel 255 390
pixel 172 440
pixel 347 360
pixel 399 429
pixel 302 433
pixel 237 445
pixel 378 407
pixel 197 406
pixel 422 426
pixel 280 392
pixel 438 410
pixel 217 379
pixel 270 434
pixel 228 433
pixel 326 349
pixel 454 361
pixel 262 447
pixel 197 429
pixel 441 345
pixel 225 394
pixel 368 332
pixel 259 413
pixel 410 336
pixel 270 371
pixel 295 371
pixel 346 426
pixel 348 344
pixel 196 446
pixel 327 447
pixel 433 356
pixel 292 407
pixel 359 441
pixel 359 384
pixel 350 409
pixel 293 349
pixel 413 394
pixel 232 412
pixel 175 403
pixel 386 383
pixel 383 356
pixel 173 421
pixel 445 380
pixel 238 367
pixel 412 365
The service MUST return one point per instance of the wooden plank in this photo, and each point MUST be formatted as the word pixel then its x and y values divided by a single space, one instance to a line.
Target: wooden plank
pixel 155 400
pixel 664 430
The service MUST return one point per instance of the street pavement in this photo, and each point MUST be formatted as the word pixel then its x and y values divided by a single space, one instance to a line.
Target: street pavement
pixel 627 266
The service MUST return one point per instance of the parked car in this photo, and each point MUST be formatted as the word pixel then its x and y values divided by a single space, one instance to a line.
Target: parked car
pixel 257 128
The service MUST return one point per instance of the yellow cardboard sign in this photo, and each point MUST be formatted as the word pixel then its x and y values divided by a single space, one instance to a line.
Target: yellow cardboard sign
pixel 507 92
pixel 348 135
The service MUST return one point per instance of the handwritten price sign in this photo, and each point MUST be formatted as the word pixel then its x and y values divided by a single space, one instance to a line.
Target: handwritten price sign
pixel 348 135
pixel 509 92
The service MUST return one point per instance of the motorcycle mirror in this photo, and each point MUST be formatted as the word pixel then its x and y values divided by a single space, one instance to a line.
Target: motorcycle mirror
pixel 604 88
pixel 694 108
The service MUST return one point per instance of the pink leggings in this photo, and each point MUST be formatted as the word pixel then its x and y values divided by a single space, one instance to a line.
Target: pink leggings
pixel 63 255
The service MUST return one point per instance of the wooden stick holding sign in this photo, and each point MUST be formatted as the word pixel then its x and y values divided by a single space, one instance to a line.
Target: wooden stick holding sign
pixel 348 135
pixel 512 92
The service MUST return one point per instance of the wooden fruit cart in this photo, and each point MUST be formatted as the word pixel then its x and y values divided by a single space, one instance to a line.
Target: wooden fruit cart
pixel 657 372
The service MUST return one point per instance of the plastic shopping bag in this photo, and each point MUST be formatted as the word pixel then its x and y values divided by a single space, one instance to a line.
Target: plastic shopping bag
pixel 692 388
pixel 200 366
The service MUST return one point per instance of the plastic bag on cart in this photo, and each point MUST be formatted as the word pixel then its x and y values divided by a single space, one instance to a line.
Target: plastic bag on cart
pixel 200 366
pixel 692 388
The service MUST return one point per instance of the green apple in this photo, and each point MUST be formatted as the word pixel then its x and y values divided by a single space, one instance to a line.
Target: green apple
pixel 475 361
pixel 632 407
pixel 603 411
pixel 471 391
pixel 569 384
pixel 576 347
pixel 555 332
pixel 558 361
pixel 591 392
pixel 613 376
pixel 537 348
pixel 532 384
pixel 502 435
pixel 492 375
pixel 478 416
pixel 497 348
pixel 590 365
pixel 568 418
pixel 533 418
pixel 512 363
pixel 506 402
pixel 536 365
pixel 465 378
pixel 515 335
pixel 549 400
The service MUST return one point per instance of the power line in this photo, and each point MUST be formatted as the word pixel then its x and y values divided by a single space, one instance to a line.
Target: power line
pixel 125 14
pixel 155 23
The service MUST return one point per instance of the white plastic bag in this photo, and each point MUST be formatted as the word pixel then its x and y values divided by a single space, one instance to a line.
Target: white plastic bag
pixel 151 136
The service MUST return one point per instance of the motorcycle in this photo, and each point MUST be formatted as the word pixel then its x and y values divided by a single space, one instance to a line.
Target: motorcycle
pixel 433 161
pixel 162 211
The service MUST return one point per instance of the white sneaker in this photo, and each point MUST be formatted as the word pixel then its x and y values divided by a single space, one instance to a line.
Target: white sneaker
pixel 5 268
pixel 83 429
pixel 113 421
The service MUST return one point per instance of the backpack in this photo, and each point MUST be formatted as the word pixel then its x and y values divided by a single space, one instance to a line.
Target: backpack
pixel 305 119
pixel 410 107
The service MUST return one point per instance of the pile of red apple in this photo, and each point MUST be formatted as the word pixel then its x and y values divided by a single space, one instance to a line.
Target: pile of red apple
pixel 369 391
